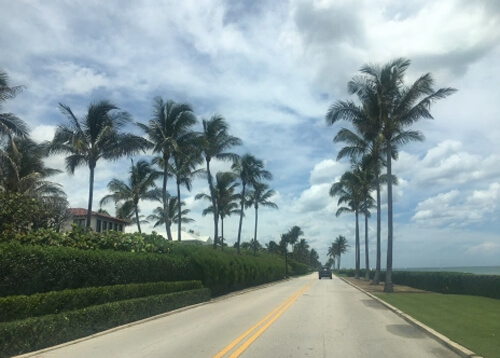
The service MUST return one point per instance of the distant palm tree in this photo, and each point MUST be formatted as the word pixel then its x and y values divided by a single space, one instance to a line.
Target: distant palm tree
pixel 332 254
pixel 348 191
pixel 302 249
pixel 171 123
pixel 215 143
pixel 98 135
pixel 140 186
pixel 294 233
pixel 260 196
pixel 340 247
pixel 284 241
pixel 225 197
pixel 160 217
pixel 273 247
pixel 398 106
pixel 249 171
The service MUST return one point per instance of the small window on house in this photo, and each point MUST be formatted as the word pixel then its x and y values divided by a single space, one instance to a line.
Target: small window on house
pixel 104 226
pixel 116 227
pixel 120 227
pixel 98 228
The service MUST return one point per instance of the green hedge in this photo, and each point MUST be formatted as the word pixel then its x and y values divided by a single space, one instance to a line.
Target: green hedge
pixel 19 337
pixel 25 270
pixel 442 282
pixel 40 304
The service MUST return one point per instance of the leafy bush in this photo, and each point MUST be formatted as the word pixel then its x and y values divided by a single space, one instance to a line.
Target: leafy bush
pixel 19 337
pixel 25 270
pixel 40 304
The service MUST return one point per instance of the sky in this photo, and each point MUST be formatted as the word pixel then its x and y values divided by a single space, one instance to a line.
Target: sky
pixel 272 69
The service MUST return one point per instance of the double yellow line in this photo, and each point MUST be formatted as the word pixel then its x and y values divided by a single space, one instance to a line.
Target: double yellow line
pixel 264 324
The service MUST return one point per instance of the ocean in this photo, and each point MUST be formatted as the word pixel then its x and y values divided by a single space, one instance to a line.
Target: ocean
pixel 477 270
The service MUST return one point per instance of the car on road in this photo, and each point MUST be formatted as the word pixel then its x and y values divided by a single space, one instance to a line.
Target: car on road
pixel 325 272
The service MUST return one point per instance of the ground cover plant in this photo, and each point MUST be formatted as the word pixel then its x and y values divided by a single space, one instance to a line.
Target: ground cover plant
pixel 471 321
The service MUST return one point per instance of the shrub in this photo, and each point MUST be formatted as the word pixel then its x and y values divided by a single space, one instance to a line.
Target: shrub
pixel 19 337
pixel 40 304
pixel 26 270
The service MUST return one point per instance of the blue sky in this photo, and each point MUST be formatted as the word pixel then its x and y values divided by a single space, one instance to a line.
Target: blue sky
pixel 272 68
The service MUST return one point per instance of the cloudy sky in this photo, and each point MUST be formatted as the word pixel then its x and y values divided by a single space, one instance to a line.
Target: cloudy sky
pixel 272 68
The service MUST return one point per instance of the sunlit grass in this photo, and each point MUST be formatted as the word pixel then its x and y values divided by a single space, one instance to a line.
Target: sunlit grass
pixel 471 321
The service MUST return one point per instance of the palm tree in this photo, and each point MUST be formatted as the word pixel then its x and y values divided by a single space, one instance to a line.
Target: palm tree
pixel 294 234
pixel 398 106
pixel 340 247
pixel 171 123
pixel 332 254
pixel 284 241
pixel 348 191
pixel 260 195
pixel 183 169
pixel 302 248
pixel 140 186
pixel 95 136
pixel 10 125
pixel 215 141
pixel 225 199
pixel 249 171
pixel 160 217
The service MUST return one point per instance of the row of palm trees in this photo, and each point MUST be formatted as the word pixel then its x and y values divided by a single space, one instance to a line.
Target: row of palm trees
pixel 381 124
pixel 336 250
pixel 179 151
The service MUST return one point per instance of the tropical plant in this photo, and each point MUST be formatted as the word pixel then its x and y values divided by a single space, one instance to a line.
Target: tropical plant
pixel 98 135
pixel 160 217
pixel 171 122
pixel 260 196
pixel 301 251
pixel 398 106
pixel 140 186
pixel 215 141
pixel 340 247
pixel 294 234
pixel 332 254
pixel 273 247
pixel 349 193
pixel 284 241
pixel 225 198
pixel 249 171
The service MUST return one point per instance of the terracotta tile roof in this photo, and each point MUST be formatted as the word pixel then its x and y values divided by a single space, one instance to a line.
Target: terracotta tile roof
pixel 83 212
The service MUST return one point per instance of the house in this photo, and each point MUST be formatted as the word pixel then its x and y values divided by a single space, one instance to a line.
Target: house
pixel 99 222
pixel 190 237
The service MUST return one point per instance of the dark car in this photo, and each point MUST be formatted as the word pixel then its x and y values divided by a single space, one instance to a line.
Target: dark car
pixel 325 272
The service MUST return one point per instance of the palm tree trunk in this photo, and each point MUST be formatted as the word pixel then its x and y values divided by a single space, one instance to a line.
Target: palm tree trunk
pixel 222 234
pixel 179 221
pixel 165 200
pixel 91 193
pixel 357 246
pixel 137 218
pixel 376 279
pixel 388 287
pixel 255 230
pixel 367 258
pixel 214 203
pixel 338 263
pixel 241 216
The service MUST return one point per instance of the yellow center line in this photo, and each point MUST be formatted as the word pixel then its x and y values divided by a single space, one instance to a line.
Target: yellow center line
pixel 278 311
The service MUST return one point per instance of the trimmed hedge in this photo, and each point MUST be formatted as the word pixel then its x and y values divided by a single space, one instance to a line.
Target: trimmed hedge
pixel 442 282
pixel 40 304
pixel 25 270
pixel 19 337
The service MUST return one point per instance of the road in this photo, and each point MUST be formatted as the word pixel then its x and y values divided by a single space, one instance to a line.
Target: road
pixel 301 317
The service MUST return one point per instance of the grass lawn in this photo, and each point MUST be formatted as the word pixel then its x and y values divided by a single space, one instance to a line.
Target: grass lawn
pixel 471 321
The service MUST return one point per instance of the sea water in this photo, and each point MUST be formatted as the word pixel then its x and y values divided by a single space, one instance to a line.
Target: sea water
pixel 477 270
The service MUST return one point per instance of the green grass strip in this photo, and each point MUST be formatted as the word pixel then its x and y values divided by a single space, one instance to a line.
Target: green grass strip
pixel 471 321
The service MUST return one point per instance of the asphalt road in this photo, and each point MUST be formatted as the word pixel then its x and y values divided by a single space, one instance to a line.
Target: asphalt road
pixel 302 317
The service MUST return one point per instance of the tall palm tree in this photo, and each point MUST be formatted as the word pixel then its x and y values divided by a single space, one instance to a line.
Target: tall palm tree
pixel 398 106
pixel 141 186
pixel 340 247
pixel 183 168
pixel 260 196
pixel 160 217
pixel 249 171
pixel 332 254
pixel 349 193
pixel 284 241
pixel 302 249
pixel 171 122
pixel 215 143
pixel 225 198
pixel 98 135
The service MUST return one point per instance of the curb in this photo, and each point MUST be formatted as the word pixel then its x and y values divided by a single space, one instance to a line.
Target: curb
pixel 457 348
